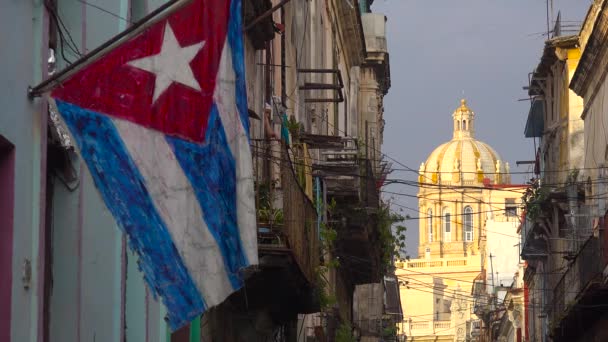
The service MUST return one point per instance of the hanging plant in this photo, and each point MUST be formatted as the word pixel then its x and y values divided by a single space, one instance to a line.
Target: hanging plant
pixel 533 198
pixel 392 236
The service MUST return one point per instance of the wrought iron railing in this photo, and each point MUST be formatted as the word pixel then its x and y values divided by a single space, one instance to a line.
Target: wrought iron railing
pixel 586 268
pixel 297 231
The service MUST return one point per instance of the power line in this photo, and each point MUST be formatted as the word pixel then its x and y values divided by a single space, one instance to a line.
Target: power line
pixel 105 11
pixel 431 185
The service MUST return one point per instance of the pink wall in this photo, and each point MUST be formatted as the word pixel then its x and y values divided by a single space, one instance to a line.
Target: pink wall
pixel 7 188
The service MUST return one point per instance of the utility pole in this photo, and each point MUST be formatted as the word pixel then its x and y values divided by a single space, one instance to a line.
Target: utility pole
pixel 518 251
pixel 492 270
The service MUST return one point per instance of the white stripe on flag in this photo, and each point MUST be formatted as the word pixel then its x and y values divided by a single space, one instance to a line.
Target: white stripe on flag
pixel 176 202
pixel 225 99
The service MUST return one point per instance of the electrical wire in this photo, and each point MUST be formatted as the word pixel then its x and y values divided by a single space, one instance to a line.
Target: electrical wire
pixel 61 27
pixel 455 215
pixel 105 11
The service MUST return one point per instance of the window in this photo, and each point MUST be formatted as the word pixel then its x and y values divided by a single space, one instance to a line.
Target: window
pixel 447 232
pixel 429 223
pixel 464 125
pixel 468 224
pixel 510 207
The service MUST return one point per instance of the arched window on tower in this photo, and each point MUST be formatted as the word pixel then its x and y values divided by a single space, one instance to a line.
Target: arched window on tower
pixel 468 224
pixel 447 229
pixel 429 223
pixel 464 125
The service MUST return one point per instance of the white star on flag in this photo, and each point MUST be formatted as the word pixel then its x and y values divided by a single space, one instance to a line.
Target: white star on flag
pixel 171 64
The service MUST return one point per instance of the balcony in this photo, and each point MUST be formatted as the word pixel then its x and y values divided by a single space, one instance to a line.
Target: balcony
pixel 579 227
pixel 339 166
pixel 428 328
pixel 288 239
pixel 291 227
pixel 474 328
pixel 418 263
pixel 349 181
pixel 534 240
pixel 581 285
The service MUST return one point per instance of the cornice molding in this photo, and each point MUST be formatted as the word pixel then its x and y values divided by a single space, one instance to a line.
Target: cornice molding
pixel 348 20
pixel 586 80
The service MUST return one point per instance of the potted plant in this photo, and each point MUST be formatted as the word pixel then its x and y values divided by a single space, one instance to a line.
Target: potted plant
pixel 294 128
pixel 268 217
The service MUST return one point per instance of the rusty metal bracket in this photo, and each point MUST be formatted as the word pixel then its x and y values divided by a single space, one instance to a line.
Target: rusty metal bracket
pixel 324 86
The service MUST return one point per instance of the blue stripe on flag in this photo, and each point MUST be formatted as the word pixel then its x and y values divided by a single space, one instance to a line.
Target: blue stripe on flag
pixel 123 189
pixel 210 168
pixel 235 39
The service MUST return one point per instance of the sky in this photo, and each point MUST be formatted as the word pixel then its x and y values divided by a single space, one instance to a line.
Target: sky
pixel 444 50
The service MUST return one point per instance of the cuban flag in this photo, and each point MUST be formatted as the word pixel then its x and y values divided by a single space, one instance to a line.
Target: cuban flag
pixel 161 121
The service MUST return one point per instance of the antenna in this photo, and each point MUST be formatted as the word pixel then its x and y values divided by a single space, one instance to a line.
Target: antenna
pixel 548 20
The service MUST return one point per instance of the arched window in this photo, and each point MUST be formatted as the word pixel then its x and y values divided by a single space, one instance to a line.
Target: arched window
pixel 447 229
pixel 468 224
pixel 429 223
pixel 464 125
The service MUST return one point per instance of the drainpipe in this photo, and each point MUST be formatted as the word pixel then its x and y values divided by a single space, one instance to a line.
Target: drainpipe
pixel 283 70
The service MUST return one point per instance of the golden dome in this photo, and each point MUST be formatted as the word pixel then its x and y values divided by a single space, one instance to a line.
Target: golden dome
pixel 464 159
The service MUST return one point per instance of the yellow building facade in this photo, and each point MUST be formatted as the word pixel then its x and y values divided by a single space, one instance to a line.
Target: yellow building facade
pixel 464 188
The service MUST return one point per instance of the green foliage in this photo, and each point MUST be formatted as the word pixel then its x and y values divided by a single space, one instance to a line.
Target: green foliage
pixel 328 237
pixel 533 198
pixel 389 331
pixel 326 299
pixel 264 194
pixel 345 333
pixel 392 242
pixel 266 213
pixel 572 176
pixel 270 215
pixel 294 127
pixel 327 233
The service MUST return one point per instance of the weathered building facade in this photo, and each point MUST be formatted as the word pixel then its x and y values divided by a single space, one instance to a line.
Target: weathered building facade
pixel 561 234
pixel 563 229
pixel 316 75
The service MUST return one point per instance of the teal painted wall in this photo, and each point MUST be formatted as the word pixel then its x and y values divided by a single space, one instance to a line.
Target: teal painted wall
pixel 20 123
pixel 98 293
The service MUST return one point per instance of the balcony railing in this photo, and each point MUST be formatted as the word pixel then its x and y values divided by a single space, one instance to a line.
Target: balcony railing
pixel 533 243
pixel 586 268
pixel 474 328
pixel 433 263
pixel 422 328
pixel 297 232
pixel 579 226
pixel 441 325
